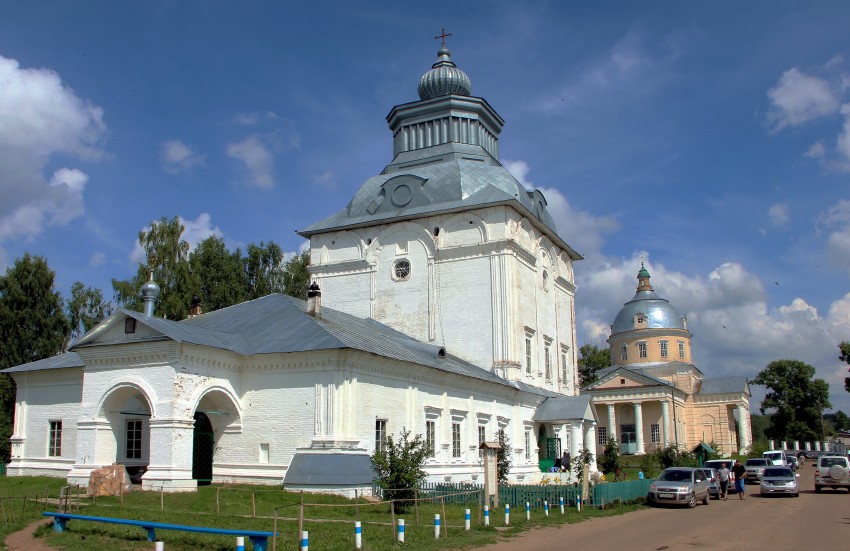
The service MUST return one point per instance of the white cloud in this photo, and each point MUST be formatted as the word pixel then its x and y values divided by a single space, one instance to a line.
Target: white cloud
pixel 816 151
pixel 842 145
pixel 778 214
pixel 178 157
pixel 836 220
pixel 41 117
pixel 97 260
pixel 798 98
pixel 194 232
pixel 326 180
pixel 254 118
pixel 581 230
pixel 257 158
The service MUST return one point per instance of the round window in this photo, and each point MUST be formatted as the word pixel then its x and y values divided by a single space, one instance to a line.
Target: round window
pixel 401 269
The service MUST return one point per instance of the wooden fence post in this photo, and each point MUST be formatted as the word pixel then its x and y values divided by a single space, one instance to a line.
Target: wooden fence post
pixel 392 520
pixel 301 516
pixel 445 519
pixel 274 531
pixel 162 498
pixel 253 506
pixel 4 512
pixel 356 504
pixel 416 503
pixel 217 507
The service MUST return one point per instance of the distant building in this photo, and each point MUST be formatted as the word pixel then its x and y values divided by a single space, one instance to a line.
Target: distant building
pixel 448 311
pixel 653 396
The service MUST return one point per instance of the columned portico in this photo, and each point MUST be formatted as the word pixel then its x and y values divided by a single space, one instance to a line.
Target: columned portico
pixel 590 443
pixel 639 429
pixel 665 425
pixel 612 422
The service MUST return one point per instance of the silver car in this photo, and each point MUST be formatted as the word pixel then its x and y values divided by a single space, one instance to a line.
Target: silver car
pixel 679 486
pixel 755 467
pixel 779 480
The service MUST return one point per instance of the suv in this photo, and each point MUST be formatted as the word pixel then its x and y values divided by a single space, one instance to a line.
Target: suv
pixel 755 468
pixel 832 471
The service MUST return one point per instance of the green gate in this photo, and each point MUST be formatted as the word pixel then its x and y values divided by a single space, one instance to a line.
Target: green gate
pixel 202 451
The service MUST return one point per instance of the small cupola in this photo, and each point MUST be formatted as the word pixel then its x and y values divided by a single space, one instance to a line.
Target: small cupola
pixel 643 279
pixel 196 308
pixel 314 300
pixel 150 295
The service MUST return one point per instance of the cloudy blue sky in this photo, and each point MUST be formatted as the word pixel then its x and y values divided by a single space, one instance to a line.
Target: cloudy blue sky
pixel 710 140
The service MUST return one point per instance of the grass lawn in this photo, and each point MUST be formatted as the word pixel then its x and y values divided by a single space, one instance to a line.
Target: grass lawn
pixel 328 519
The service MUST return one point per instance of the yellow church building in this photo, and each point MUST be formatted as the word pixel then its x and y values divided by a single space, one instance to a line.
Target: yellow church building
pixel 653 396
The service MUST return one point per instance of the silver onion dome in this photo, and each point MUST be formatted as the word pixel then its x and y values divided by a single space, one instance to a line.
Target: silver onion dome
pixel 444 78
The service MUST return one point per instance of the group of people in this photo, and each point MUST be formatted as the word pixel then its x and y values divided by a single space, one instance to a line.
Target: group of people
pixel 740 476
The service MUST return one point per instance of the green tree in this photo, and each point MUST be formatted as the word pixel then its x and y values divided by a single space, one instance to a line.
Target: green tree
pixel 609 461
pixel 264 268
pixel 167 257
pixel 582 458
pixel 33 326
pixel 794 399
pixel 296 276
pixel 591 359
pixel 218 274
pixel 398 466
pixel 844 356
pixel 86 308
pixel 503 458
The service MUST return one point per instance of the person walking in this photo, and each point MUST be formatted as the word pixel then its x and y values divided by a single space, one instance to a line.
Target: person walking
pixel 740 479
pixel 723 477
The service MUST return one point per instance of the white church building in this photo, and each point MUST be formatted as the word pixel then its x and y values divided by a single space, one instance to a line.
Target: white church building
pixel 442 303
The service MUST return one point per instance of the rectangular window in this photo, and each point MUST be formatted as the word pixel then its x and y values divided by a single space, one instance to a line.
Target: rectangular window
pixel 528 355
pixel 547 361
pixel 482 436
pixel 624 352
pixel 431 437
pixel 601 436
pixel 134 439
pixel 528 444
pixel 264 453
pixel 655 433
pixel 564 370
pixel 380 434
pixel 642 349
pixel 54 448
pixel 456 440
pixel 681 349
pixel 663 345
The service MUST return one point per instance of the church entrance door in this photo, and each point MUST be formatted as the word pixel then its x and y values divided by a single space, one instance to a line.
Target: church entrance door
pixel 202 452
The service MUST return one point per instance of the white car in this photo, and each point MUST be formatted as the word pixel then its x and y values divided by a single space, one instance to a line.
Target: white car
pixel 779 480
pixel 832 471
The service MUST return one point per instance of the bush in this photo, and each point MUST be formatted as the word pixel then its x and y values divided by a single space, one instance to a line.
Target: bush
pixel 582 458
pixel 609 461
pixel 399 468
pixel 503 458
pixel 671 456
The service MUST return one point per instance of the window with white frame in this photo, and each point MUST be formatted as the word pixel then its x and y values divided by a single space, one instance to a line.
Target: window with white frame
pixel 54 446
pixel 482 436
pixel 655 433
pixel 528 338
pixel 681 349
pixel 642 349
pixel 456 440
pixel 547 359
pixel 624 352
pixel 564 367
pixel 134 439
pixel 528 444
pixel 663 345
pixel 601 436
pixel 431 438
pixel 380 434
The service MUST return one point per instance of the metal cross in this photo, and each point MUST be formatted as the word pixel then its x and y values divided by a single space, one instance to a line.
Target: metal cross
pixel 443 36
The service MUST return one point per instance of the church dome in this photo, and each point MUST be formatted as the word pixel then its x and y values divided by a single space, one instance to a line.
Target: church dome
pixel 444 78
pixel 656 311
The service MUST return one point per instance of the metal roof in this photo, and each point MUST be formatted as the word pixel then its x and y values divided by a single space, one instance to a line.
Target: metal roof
pixel 724 385
pixel 343 469
pixel 611 372
pixel 61 361
pixel 564 408
pixel 280 324
pixel 659 313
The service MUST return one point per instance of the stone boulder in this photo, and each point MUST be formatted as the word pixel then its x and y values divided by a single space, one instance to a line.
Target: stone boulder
pixel 109 481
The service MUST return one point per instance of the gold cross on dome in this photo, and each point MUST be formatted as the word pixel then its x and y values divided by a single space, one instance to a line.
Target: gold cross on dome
pixel 443 36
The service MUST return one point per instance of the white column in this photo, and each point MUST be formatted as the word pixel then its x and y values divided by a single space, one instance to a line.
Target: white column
pixel 576 439
pixel 665 423
pixel 590 443
pixel 744 430
pixel 171 442
pixel 639 429
pixel 612 423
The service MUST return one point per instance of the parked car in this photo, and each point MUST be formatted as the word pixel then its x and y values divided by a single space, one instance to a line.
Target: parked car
pixel 776 457
pixel 779 480
pixel 717 464
pixel 832 471
pixel 755 467
pixel 793 462
pixel 680 486
pixel 713 482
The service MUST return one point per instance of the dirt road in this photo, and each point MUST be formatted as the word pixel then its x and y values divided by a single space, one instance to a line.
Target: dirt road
pixel 811 522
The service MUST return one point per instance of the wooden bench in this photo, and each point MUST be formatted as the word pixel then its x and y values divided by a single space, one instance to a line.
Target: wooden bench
pixel 259 539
